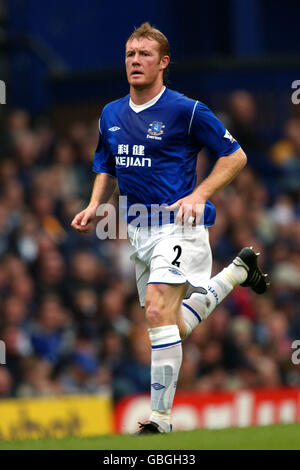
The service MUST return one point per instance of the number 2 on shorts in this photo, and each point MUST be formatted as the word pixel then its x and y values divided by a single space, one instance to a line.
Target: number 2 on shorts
pixel 179 251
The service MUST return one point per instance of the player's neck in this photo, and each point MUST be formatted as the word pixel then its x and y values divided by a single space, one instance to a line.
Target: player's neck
pixel 142 96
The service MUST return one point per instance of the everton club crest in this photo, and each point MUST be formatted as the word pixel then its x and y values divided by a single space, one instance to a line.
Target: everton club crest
pixel 156 128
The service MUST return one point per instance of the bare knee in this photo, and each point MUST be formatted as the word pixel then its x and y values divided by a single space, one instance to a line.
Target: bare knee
pixel 161 305
pixel 155 306
pixel 154 315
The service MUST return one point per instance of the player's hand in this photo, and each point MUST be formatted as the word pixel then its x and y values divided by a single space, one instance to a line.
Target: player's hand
pixel 84 220
pixel 190 211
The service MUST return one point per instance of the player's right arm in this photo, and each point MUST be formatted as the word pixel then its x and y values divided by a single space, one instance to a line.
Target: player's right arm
pixel 103 189
pixel 104 185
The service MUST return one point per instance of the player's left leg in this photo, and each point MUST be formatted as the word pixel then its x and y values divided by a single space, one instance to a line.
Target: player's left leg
pixel 244 271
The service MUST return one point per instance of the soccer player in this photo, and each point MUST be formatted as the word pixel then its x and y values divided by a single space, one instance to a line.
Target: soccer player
pixel 148 143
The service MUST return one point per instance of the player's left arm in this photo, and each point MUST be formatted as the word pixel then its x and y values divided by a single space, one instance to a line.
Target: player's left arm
pixel 224 171
pixel 207 130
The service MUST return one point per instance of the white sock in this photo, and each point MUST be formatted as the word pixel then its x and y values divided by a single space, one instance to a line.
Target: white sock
pixel 163 418
pixel 199 306
pixel 166 360
pixel 235 274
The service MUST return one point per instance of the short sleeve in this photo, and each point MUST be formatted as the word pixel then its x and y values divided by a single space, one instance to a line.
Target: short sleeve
pixel 103 159
pixel 208 131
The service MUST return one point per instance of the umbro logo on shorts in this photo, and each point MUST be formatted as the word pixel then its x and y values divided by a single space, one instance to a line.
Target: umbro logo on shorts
pixel 173 271
pixel 114 129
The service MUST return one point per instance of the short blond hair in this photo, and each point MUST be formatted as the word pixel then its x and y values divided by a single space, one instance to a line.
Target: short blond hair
pixel 148 31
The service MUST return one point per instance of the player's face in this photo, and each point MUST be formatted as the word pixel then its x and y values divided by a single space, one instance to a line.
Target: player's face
pixel 144 65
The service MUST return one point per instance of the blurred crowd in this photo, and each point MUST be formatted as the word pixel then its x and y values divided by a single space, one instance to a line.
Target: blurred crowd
pixel 69 312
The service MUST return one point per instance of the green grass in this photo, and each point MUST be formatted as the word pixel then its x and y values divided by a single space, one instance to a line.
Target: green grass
pixel 282 436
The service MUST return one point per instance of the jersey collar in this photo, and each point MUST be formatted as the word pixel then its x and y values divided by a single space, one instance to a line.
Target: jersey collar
pixel 137 108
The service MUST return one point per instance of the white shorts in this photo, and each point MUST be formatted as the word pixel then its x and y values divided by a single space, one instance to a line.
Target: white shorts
pixel 168 255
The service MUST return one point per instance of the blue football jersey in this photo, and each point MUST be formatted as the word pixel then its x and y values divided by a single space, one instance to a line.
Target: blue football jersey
pixel 153 152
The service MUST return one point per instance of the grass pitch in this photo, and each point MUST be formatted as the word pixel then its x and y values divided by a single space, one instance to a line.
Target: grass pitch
pixel 276 437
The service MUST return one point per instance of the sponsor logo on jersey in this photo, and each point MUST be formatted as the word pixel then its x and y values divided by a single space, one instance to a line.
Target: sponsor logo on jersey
pixel 156 128
pixel 114 129
pixel 132 161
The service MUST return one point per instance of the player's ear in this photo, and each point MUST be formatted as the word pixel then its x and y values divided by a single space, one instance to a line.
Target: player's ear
pixel 164 61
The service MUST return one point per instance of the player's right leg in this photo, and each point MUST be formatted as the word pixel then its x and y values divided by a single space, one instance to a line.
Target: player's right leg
pixel 163 301
pixel 243 271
